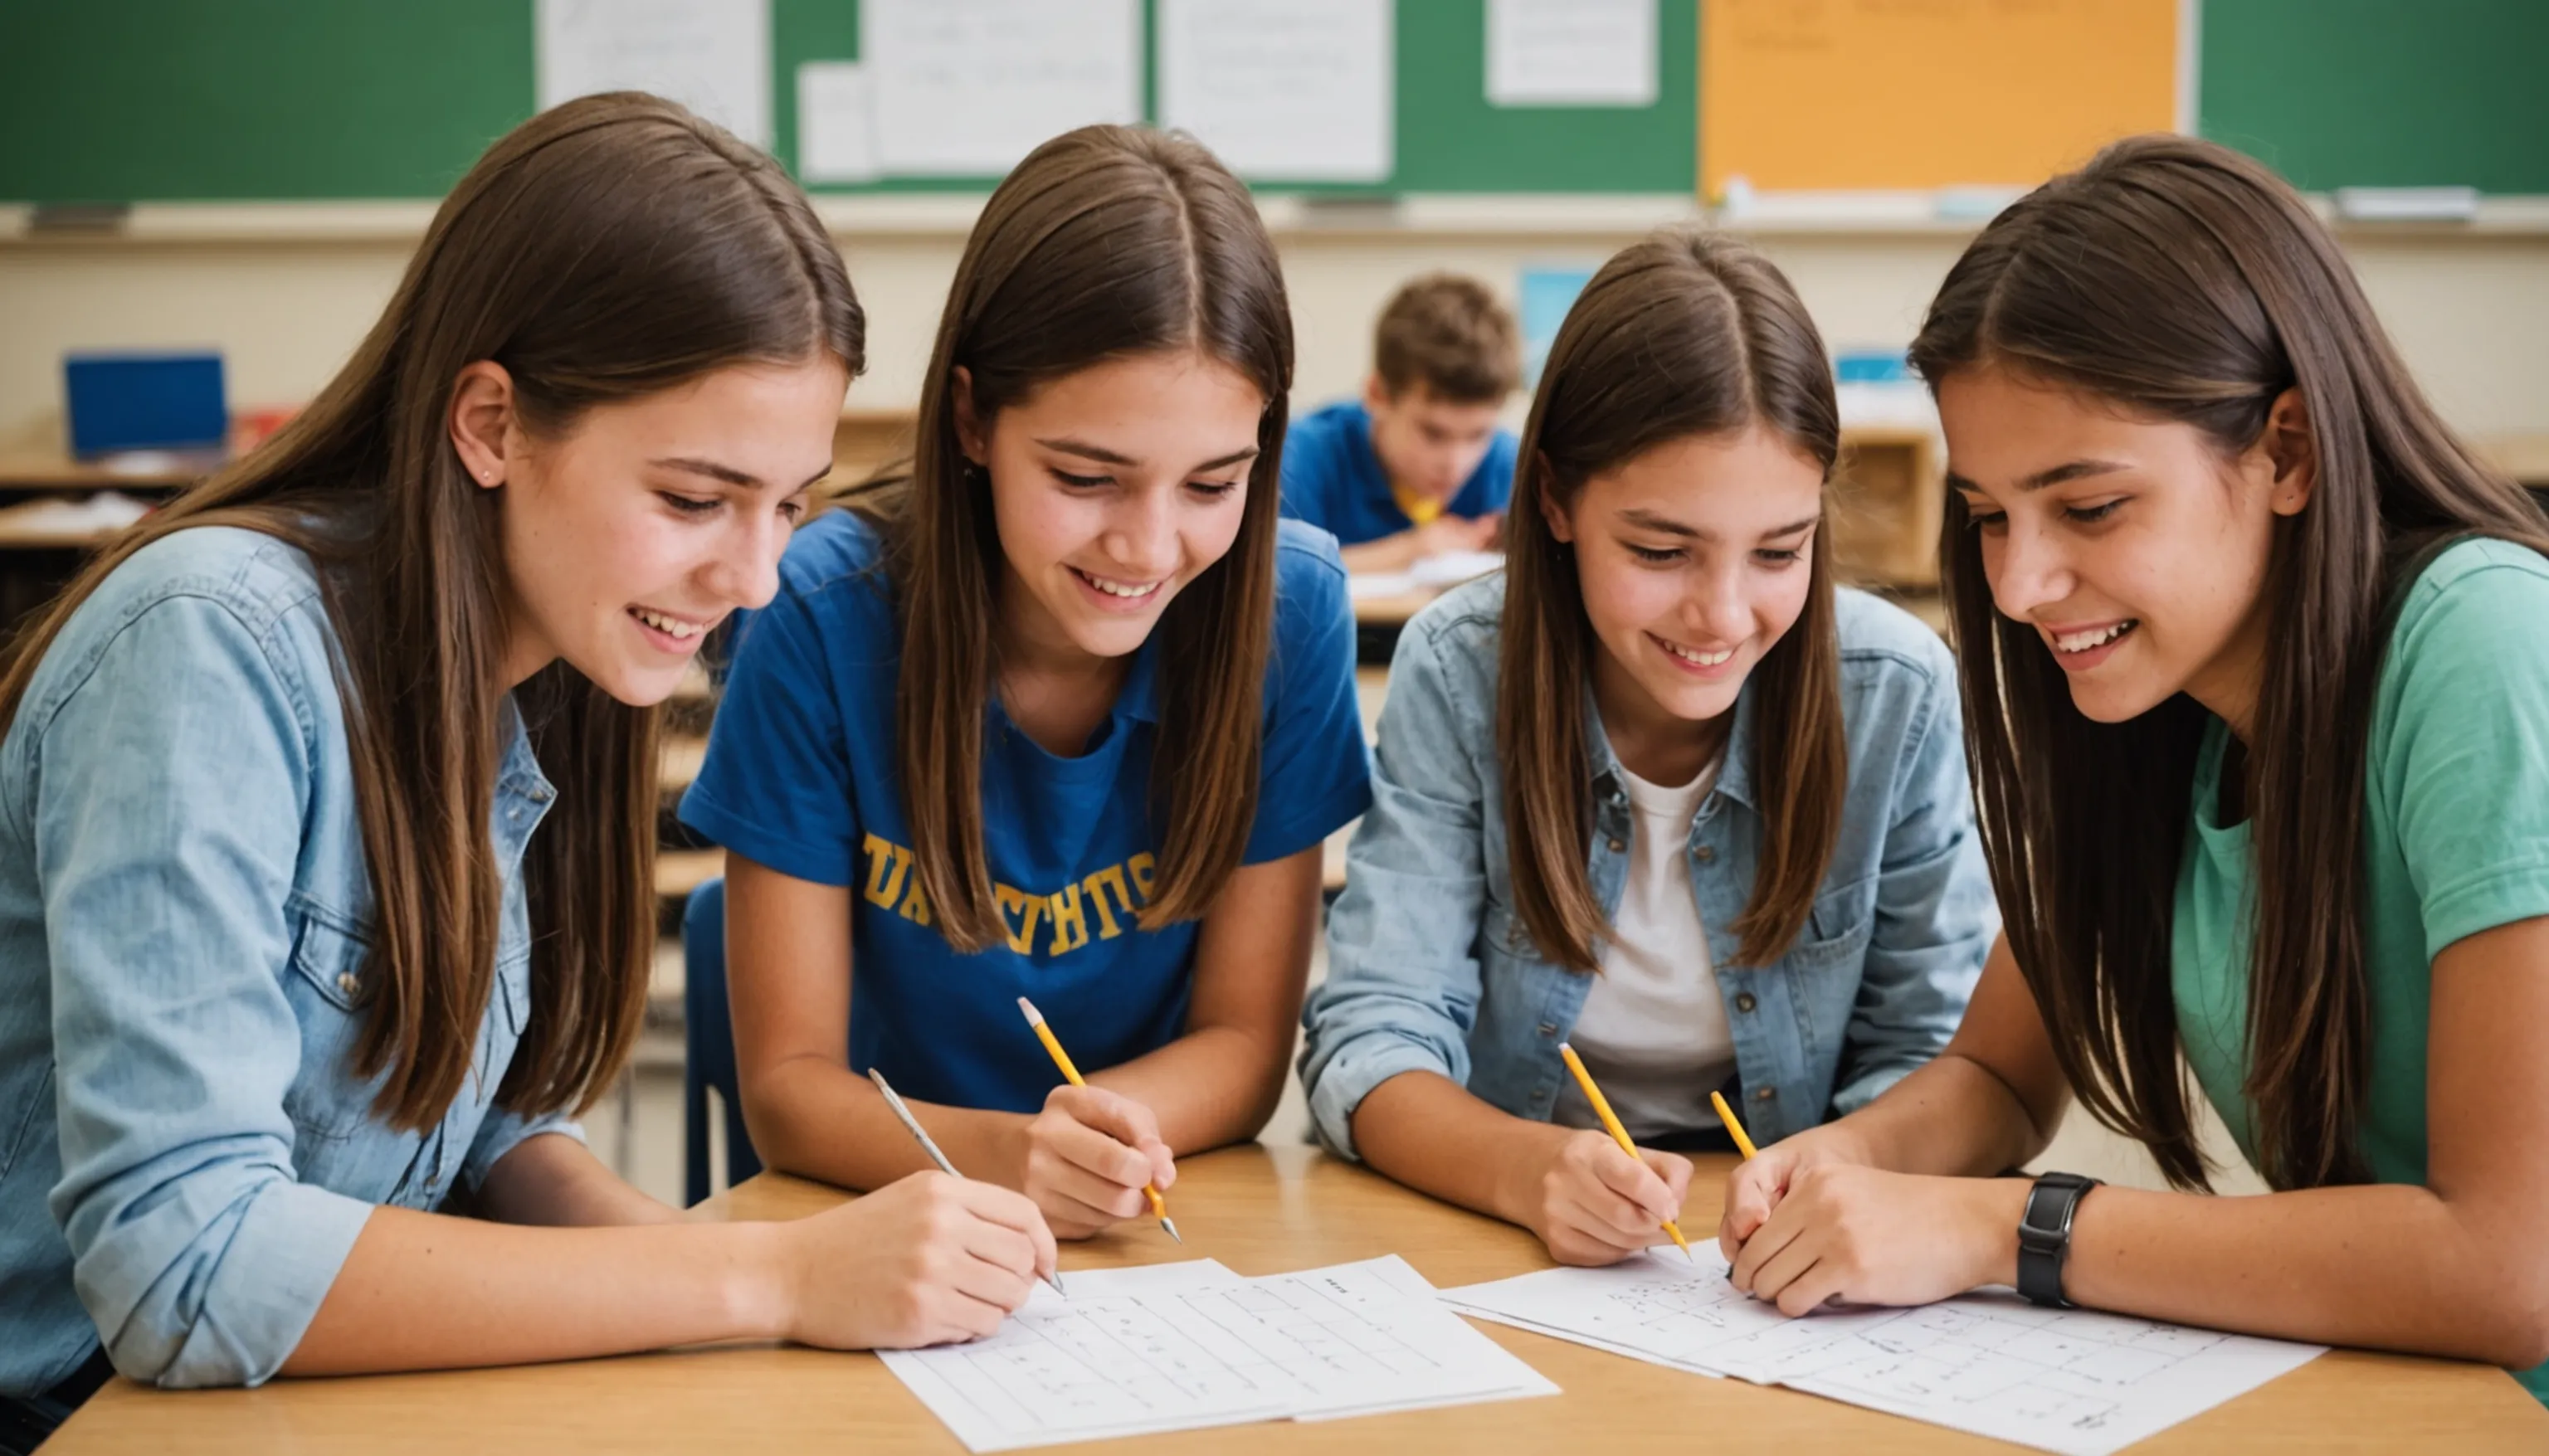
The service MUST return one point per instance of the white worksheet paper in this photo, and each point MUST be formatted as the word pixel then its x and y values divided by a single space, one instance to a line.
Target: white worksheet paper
pixel 2073 1380
pixel 1180 1347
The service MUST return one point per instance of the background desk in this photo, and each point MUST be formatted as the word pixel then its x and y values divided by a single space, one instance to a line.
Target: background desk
pixel 1259 1211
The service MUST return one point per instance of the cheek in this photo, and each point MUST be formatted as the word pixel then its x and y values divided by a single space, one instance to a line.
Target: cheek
pixel 1781 599
pixel 1210 531
pixel 1621 597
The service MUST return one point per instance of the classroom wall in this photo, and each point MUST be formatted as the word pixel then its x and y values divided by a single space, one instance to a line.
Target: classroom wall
pixel 2471 312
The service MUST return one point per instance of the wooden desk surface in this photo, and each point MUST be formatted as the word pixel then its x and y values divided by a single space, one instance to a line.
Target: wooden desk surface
pixel 1260 1211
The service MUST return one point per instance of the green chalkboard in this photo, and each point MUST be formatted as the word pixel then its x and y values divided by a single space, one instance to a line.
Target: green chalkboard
pixel 176 100
pixel 2383 93
pixel 173 100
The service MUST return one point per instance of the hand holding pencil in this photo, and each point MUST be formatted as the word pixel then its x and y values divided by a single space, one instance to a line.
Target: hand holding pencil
pixel 1600 1198
pixel 1094 1157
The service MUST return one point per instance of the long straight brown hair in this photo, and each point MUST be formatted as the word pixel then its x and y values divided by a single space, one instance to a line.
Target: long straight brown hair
pixel 2185 282
pixel 1106 243
pixel 1686 333
pixel 604 251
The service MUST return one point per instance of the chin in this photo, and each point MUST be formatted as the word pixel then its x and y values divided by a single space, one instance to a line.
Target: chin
pixel 635 688
pixel 2107 704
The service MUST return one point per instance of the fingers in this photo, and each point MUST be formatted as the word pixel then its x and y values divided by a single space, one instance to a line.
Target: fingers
pixel 1081 1192
pixel 1765 1245
pixel 1139 1155
pixel 1636 1183
pixel 1674 1170
pixel 1015 1215
pixel 1752 1193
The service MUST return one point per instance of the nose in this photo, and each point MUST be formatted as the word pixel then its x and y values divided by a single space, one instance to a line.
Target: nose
pixel 1718 608
pixel 1141 536
pixel 2027 569
pixel 744 570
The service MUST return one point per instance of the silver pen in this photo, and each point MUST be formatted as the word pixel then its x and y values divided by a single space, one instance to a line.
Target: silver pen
pixel 930 1146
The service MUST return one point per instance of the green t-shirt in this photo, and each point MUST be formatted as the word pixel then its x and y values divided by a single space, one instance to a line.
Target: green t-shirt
pixel 2455 840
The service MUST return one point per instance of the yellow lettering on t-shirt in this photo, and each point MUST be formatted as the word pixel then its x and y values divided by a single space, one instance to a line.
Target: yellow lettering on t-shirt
pixel 1140 867
pixel 1029 909
pixel 1070 921
pixel 888 863
pixel 915 902
pixel 1097 885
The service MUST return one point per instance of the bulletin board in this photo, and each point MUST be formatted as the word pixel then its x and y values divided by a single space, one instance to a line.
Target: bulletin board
pixel 1861 95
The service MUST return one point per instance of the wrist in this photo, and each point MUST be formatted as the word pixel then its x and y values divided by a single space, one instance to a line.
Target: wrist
pixel 1523 1169
pixel 758 1282
pixel 1999 1204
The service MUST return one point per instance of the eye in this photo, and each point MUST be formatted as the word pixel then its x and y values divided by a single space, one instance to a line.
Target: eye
pixel 689 505
pixel 1986 520
pixel 2092 514
pixel 1079 481
pixel 1214 488
pixel 1653 554
pixel 1775 557
pixel 793 510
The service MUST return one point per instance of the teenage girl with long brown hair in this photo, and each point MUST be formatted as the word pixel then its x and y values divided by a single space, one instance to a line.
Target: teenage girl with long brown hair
pixel 2257 681
pixel 1065 714
pixel 326 812
pixel 1661 791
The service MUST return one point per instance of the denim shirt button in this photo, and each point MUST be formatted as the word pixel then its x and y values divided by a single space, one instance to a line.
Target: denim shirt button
pixel 1548 1029
pixel 1703 854
pixel 1766 1094
pixel 1618 847
pixel 348 982
pixel 1744 1001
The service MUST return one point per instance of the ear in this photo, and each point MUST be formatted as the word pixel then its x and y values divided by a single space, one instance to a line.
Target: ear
pixel 970 436
pixel 2292 450
pixel 1376 396
pixel 483 427
pixel 1550 510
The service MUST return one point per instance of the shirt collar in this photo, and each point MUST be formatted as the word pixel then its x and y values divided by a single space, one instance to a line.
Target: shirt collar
pixel 1734 770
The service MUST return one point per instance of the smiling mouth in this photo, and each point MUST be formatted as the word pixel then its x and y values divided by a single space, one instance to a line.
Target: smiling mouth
pixel 2073 643
pixel 680 629
pixel 1693 657
pixel 1124 590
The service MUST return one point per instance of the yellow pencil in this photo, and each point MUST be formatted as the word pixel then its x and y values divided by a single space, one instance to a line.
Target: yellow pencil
pixel 1619 1135
pixel 1726 1115
pixel 1062 1059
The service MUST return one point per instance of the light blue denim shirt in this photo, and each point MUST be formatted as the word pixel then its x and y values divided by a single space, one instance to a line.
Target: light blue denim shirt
pixel 185 1155
pixel 1429 968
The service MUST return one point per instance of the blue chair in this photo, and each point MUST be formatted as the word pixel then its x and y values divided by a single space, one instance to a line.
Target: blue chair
pixel 708 1036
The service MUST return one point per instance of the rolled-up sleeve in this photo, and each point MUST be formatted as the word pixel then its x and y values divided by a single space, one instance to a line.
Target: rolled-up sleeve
pixel 502 1131
pixel 173 784
pixel 1402 987
pixel 1935 914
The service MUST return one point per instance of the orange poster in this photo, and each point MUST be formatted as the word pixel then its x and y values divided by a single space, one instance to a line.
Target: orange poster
pixel 1918 94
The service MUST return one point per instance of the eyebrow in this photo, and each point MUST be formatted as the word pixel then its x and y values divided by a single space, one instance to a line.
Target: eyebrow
pixel 728 473
pixel 1647 521
pixel 2068 471
pixel 1104 456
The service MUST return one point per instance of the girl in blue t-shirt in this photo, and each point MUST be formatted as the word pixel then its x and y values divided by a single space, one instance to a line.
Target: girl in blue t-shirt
pixel 1065 714
pixel 2256 661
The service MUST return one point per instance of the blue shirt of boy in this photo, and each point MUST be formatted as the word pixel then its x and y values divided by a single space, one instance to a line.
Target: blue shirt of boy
pixel 802 778
pixel 1333 480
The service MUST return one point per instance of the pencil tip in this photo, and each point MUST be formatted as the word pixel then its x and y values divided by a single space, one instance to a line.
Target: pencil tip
pixel 1170 1225
pixel 1687 1254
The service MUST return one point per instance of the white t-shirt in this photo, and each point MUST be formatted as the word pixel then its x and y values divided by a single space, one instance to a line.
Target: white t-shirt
pixel 1654 1030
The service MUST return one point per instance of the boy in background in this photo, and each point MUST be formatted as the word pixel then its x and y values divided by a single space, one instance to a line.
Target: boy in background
pixel 1417 466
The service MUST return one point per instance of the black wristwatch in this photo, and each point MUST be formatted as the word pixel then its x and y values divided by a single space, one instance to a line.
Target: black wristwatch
pixel 2044 1235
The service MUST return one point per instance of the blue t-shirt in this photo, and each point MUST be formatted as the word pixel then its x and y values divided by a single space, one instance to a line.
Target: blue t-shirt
pixel 801 776
pixel 1334 480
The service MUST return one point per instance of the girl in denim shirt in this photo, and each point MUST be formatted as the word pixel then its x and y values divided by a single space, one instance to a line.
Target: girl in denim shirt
pixel 326 805
pixel 1661 791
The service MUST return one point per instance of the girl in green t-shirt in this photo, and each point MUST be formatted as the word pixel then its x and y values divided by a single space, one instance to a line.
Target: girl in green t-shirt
pixel 2256 669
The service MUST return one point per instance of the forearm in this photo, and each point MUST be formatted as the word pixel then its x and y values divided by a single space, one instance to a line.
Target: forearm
pixel 2391 1266
pixel 1951 1117
pixel 1388 554
pixel 1429 1132
pixel 1212 1086
pixel 553 1179
pixel 424 1291
pixel 819 1119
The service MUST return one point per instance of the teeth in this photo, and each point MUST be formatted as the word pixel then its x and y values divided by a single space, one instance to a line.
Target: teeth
pixel 2083 641
pixel 669 626
pixel 1117 588
pixel 1703 659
